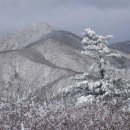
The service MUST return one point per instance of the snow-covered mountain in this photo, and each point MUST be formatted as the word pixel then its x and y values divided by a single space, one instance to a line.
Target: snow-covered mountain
pixel 25 36
pixel 121 46
pixel 42 65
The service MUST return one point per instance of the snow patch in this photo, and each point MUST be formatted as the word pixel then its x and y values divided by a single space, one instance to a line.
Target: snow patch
pixel 83 99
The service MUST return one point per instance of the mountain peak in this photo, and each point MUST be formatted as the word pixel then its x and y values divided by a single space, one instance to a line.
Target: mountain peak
pixel 25 36
pixel 40 26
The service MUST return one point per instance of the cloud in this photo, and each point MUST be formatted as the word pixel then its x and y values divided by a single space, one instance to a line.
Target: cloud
pixel 96 3
pixel 105 16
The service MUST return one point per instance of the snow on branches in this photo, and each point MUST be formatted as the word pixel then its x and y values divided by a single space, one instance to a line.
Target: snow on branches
pixel 92 41
pixel 112 83
pixel 90 37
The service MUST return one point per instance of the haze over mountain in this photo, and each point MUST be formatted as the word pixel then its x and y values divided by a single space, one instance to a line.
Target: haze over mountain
pixel 106 17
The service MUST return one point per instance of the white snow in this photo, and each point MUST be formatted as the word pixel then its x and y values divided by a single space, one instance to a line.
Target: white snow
pixel 83 99
pixel 22 126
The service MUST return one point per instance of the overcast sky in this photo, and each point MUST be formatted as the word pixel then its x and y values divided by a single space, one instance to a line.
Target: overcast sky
pixel 104 16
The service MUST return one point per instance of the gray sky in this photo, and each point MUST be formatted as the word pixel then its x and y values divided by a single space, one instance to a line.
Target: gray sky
pixel 104 16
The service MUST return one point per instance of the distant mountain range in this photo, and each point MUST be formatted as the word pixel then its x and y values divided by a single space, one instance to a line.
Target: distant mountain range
pixel 121 46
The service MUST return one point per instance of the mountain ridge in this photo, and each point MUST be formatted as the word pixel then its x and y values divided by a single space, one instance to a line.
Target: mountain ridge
pixel 121 46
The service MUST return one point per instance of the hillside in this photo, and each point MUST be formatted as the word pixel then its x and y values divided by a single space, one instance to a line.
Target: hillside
pixel 42 65
pixel 121 46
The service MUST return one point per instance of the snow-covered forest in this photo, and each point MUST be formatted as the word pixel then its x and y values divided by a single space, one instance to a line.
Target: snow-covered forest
pixel 99 98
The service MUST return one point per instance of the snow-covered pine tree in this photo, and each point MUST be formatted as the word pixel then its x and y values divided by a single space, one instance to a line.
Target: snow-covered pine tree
pixel 112 86
pixel 113 83
pixel 91 41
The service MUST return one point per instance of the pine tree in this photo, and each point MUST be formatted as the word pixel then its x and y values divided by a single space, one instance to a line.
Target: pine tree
pixel 113 81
